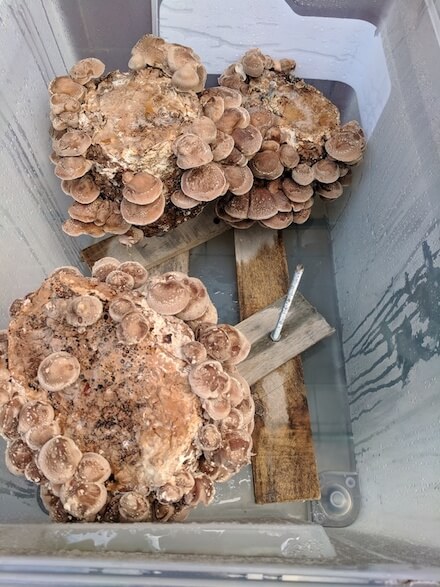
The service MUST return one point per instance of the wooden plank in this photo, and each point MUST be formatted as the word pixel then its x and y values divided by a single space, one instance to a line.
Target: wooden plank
pixel 284 465
pixel 178 263
pixel 157 249
pixel 303 328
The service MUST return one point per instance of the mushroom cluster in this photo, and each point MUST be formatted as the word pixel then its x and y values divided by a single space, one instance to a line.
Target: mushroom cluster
pixel 305 151
pixel 120 395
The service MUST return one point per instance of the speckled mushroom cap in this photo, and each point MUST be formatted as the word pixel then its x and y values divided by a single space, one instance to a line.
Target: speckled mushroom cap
pixel 120 397
pixel 302 140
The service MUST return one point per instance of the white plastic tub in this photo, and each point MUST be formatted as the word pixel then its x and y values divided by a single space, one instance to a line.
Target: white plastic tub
pixel 372 268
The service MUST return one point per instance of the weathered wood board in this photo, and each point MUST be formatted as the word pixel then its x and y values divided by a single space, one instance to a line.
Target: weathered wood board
pixel 157 249
pixel 303 328
pixel 284 465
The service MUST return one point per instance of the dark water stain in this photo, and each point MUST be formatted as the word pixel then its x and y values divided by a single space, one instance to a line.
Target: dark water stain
pixel 406 322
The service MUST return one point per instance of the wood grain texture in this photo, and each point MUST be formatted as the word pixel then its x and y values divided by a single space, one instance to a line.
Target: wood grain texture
pixel 303 328
pixel 284 467
pixel 157 249
pixel 178 263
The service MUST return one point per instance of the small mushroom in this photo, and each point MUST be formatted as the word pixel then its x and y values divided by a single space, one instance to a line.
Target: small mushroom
pixel 225 343
pixel 163 511
pixel 84 500
pixel 120 307
pixel 289 156
pixel 209 317
pixel 86 70
pixel 204 128
pixel 33 414
pixel 209 437
pixel 269 145
pixel 204 183
pixel 222 146
pixel 261 118
pixel 134 507
pixel 301 217
pixel 303 174
pixel 235 158
pixel 190 77
pixel 88 212
pixel 93 467
pixel 143 215
pixel 326 171
pixel 236 392
pixel 194 352
pixel 236 449
pixel 18 456
pixel 198 302
pixel 261 204
pixel 33 473
pixel 248 140
pixel 282 202
pixel 191 151
pixel 266 165
pixel 84 190
pixel 38 436
pixel 233 421
pixel 233 118
pixel 169 493
pixel 237 207
pixel 253 62
pixel 65 85
pixel 202 492
pixel 115 224
pixel 296 192
pixel 84 310
pixel 178 55
pixel 149 50
pixel 141 188
pixel 58 459
pixel 64 103
pixel 217 408
pixel 72 167
pixel 283 65
pixel 133 236
pixel 213 107
pixel 330 191
pixel 273 134
pixel 231 98
pixel 240 179
pixel 57 371
pixel 168 297
pixel 346 144
pixel 279 221
pixel 9 417
pixel 132 328
pixel 72 144
pixel 179 199
pixel 208 380
pixel 136 270
pixel 104 266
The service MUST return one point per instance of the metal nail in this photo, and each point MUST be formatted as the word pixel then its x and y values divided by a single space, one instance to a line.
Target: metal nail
pixel 275 335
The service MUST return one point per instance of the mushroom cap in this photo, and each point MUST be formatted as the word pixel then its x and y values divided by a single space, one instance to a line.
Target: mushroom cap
pixel 120 307
pixel 345 145
pixel 72 143
pixel 57 371
pixel 9 417
pixel 235 158
pixel 222 146
pixel 217 408
pixel 190 77
pixel 233 118
pixel 208 380
pixel 169 493
pixel 279 221
pixel 58 459
pixel 231 98
pixel 209 437
pixel 33 473
pixel 178 55
pixel 65 85
pixel 202 492
pixel 296 192
pixel 330 191
pixel 64 103
pixel 213 107
pixel 204 128
pixel 253 62
pixel 103 267
pixel 236 392
pixel 240 179
pixel 270 145
pixel 284 65
pixel 38 436
pixel 191 151
pixel 233 421
pixel 163 511
pixel 204 183
pixel 120 280
pixel 248 140
pixel 303 174
pixel 18 456
pixel 261 204
pixel 168 297
pixel 88 213
pixel 64 120
pixel 198 302
pixel 289 156
pixel 84 190
pixel 282 202
pixel 134 507
pixel 302 216
pixel 326 171
pixel 194 352
pixel 136 270
pixel 143 215
pixel 93 467
pixel 115 224
pixel 261 118
pixel 225 343
pixel 209 317
pixel 179 199
pixel 236 449
pixel 141 188
pixel 237 207
pixel 87 69
pixel 84 310
pixel 133 236
pixel 72 167
pixel 132 328
pixel 149 50
pixel 84 499
pixel 266 165
pixel 33 414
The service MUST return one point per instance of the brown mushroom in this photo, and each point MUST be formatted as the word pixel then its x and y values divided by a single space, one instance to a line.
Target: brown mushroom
pixel 194 352
pixel 253 62
pixel 202 492
pixel 204 128
pixel 104 266
pixel 132 328
pixel 58 459
pixel 65 85
pixel 303 174
pixel 9 417
pixel 179 199
pixel 143 215
pixel 120 307
pixel 86 70
pixel 326 171
pixel 289 156
pixel 64 103
pixel 84 190
pixel 136 270
pixel 233 118
pixel 240 179
pixel 222 146
pixel 208 380
pixel 93 467
pixel 18 456
pixel 237 207
pixel 270 145
pixel 301 217
pixel 346 144
pixel 217 408
pixel 204 183
pixel 87 213
pixel 283 65
pixel 236 449
pixel 84 310
pixel 149 50
pixel 178 55
pixel 38 436
pixel 282 202
pixel 36 413
pixel 191 151
pixel 115 224
pixel 296 192
pixel 231 98
pixel 134 507
pixel 248 140
pixel 209 317
pixel 72 143
pixel 279 221
pixel 261 204
pixel 58 370
pixel 266 165
pixel 133 236
pixel 169 493
pixel 261 118
pixel 209 437
pixel 225 343
pixel 198 302
pixel 84 500
pixel 72 167
pixel 33 473
pixel 330 191
pixel 168 297
pixel 64 120
pixel 235 158
pixel 191 76
pixel 233 421
pixel 141 188
pixel 236 392
pixel 163 511
pixel 213 107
